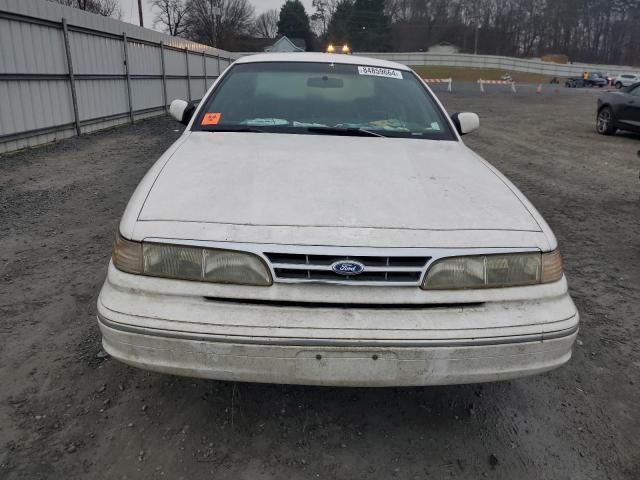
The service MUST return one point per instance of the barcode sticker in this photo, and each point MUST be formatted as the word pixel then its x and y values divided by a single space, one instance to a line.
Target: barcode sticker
pixel 380 72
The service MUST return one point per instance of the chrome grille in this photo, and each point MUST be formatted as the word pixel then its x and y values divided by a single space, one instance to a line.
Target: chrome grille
pixel 397 270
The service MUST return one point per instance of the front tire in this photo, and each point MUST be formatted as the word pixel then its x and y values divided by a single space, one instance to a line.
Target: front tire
pixel 618 85
pixel 605 123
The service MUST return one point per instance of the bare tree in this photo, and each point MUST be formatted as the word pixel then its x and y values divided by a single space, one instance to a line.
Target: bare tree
pixel 266 25
pixel 171 15
pixel 219 23
pixel 106 8
pixel 324 11
pixel 606 31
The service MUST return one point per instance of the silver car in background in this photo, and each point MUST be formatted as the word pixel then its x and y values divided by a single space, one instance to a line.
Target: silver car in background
pixel 626 80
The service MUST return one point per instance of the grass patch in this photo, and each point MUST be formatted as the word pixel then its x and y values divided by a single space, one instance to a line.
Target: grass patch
pixel 475 74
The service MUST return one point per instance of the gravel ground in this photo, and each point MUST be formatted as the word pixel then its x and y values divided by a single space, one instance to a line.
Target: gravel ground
pixel 66 411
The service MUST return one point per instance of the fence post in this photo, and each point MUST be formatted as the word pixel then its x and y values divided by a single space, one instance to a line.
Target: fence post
pixel 219 72
pixel 128 75
pixel 186 53
pixel 164 77
pixel 204 71
pixel 72 79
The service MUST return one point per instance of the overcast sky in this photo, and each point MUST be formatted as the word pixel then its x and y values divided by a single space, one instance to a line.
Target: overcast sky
pixel 130 9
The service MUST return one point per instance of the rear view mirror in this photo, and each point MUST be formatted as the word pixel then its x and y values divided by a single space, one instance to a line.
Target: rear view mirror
pixel 466 122
pixel 325 82
pixel 182 111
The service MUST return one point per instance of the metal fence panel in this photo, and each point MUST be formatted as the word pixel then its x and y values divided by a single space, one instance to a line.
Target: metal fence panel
pixel 464 60
pixel 101 98
pixel 30 49
pixel 197 89
pixel 496 62
pixel 175 62
pixel 34 105
pixel 195 65
pixel 93 55
pixel 146 93
pixel 56 61
pixel 144 59
pixel 176 89
pixel 212 66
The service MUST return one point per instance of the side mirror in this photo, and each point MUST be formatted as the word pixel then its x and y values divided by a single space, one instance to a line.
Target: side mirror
pixel 466 122
pixel 182 111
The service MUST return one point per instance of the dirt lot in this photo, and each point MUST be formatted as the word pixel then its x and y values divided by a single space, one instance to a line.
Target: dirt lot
pixel 67 412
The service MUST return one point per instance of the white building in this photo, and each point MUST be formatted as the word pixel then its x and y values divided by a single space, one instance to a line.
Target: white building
pixel 287 45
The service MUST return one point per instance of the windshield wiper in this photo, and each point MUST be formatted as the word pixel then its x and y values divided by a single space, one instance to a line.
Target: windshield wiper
pixel 231 128
pixel 350 132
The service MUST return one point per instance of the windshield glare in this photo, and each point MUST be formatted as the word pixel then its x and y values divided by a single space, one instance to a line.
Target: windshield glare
pixel 314 98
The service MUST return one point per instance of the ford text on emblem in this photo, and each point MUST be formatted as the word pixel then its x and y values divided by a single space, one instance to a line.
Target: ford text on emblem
pixel 347 267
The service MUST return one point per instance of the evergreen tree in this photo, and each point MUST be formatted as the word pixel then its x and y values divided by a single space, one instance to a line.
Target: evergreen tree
pixel 294 22
pixel 339 29
pixel 370 26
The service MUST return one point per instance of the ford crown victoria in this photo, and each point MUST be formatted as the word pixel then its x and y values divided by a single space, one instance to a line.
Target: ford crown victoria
pixel 320 221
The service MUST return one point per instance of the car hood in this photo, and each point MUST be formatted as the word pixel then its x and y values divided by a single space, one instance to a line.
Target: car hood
pixel 330 181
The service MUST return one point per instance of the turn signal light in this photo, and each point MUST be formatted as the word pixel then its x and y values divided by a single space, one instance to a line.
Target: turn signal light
pixel 127 255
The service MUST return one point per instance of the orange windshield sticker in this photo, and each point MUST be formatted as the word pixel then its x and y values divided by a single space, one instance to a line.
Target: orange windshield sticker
pixel 211 118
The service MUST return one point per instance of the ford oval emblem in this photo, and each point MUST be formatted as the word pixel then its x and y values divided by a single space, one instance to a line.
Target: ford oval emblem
pixel 347 267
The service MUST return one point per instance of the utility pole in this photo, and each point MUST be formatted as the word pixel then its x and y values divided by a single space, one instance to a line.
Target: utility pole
pixel 216 12
pixel 140 13
pixel 477 37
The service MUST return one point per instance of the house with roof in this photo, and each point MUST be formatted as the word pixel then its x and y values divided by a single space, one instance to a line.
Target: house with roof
pixel 285 45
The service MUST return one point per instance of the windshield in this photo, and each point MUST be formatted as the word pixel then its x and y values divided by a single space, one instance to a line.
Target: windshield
pixel 323 98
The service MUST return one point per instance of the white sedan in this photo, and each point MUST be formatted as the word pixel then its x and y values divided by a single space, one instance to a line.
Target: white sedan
pixel 321 222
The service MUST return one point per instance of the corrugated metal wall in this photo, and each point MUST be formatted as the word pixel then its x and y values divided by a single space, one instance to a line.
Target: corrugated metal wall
pixel 39 77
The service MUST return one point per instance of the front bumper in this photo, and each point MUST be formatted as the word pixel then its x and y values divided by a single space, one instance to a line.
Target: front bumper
pixel 144 325
pixel 365 366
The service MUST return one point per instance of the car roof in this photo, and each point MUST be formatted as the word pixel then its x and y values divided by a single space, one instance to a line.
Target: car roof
pixel 314 57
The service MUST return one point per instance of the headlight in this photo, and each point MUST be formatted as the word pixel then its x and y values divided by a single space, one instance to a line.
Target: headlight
pixel 494 271
pixel 190 263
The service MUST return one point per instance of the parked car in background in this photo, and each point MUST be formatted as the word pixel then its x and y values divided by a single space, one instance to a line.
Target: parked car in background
pixel 320 221
pixel 574 82
pixel 598 79
pixel 619 111
pixel 595 79
pixel 626 80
